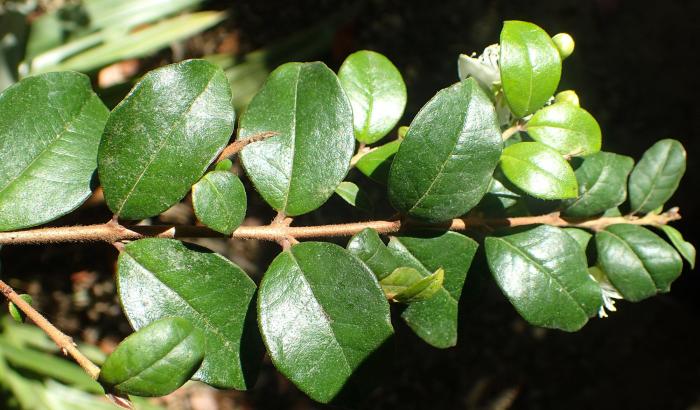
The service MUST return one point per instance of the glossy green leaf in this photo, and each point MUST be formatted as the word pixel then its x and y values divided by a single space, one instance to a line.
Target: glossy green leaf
pixel 656 176
pixel 17 315
pixel 445 163
pixel 581 236
pixel 539 170
pixel 530 67
pixel 163 278
pixel 407 285
pixel 638 262
pixel 162 137
pixel 50 128
pixel 156 360
pixel 569 129
pixel 353 195
pixel 219 201
pixel 369 247
pixel 685 248
pixel 376 163
pixel 435 320
pixel 321 313
pixel 376 91
pixel 297 170
pixel 602 184
pixel 544 273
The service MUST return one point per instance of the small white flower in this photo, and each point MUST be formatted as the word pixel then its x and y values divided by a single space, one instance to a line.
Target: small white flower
pixel 483 68
pixel 608 290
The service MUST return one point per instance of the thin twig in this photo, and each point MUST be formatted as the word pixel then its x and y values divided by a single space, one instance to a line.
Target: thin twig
pixel 64 342
pixel 509 132
pixel 236 146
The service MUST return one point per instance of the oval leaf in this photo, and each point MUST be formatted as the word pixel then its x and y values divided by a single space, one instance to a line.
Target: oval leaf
pixel 156 360
pixel 602 184
pixel 569 129
pixel 657 175
pixel 376 91
pixel 321 313
pixel 539 170
pixel 544 273
pixel 162 277
pixel 444 165
pixel 162 137
pixel 50 128
pixel 219 201
pixel 297 170
pixel 530 67
pixel 686 249
pixel 376 163
pixel 637 261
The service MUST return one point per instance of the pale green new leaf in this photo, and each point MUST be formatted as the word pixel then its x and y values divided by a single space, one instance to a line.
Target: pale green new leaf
pixel 567 128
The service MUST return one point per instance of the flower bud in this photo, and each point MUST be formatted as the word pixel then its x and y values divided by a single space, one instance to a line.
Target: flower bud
pixel 565 44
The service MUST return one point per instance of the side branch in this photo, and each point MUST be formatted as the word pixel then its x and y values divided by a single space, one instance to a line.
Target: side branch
pixel 113 232
pixel 238 145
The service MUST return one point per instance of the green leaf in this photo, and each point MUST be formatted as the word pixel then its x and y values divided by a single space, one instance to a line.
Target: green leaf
pixel 50 128
pixel 444 165
pixel 156 360
pixel 368 246
pixel 219 201
pixel 162 137
pixel 581 236
pixel 657 175
pixel 544 273
pixel 539 170
pixel 602 184
pixel 321 313
pixel 352 194
pixel 162 278
pixel 637 261
pixel 376 163
pixel 686 249
pixel 376 91
pixel 569 129
pixel 530 67
pixel 15 312
pixel 407 285
pixel 297 170
pixel 224 165
pixel 435 320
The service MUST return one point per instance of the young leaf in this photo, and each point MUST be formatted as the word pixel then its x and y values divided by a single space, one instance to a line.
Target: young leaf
pixel 539 170
pixel 530 67
pixel 569 129
pixel 219 201
pixel 15 312
pixel 321 313
pixel 544 273
pixel 435 320
pixel 162 137
pixel 156 360
pixel 297 170
pixel 368 246
pixel 376 91
pixel 162 277
pixel 602 184
pixel 376 163
pixel 686 249
pixel 50 128
pixel 352 194
pixel 657 175
pixel 638 262
pixel 444 165
pixel 407 285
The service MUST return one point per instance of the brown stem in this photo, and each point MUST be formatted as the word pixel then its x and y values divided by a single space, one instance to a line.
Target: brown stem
pixel 509 132
pixel 64 342
pixel 111 232
pixel 238 145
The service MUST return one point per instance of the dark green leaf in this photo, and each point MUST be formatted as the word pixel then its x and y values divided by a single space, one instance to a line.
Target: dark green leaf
pixel 581 236
pixel 162 277
pixel 444 165
pixel 657 175
pixel 407 285
pixel 353 195
pixel 376 91
pixel 544 273
pixel 297 170
pixel 15 312
pixel 638 262
pixel 162 137
pixel 539 170
pixel 368 246
pixel 219 201
pixel 156 360
pixel 569 129
pixel 684 247
pixel 530 67
pixel 50 128
pixel 602 184
pixel 321 313
pixel 435 320
pixel 376 163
